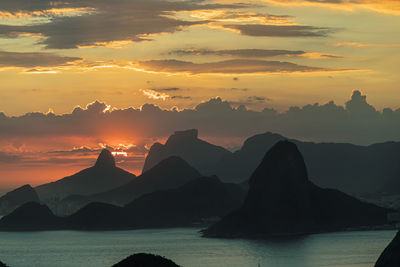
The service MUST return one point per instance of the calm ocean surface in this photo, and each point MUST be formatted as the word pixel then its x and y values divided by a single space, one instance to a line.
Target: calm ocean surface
pixel 187 248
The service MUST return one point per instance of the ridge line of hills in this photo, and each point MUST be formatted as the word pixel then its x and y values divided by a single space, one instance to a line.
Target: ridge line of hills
pixel 283 201
pixel 172 185
pixel 351 168
pixel 280 201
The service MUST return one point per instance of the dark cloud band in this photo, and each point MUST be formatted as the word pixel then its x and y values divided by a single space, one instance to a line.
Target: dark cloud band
pixel 237 66
pixel 357 121
pixel 280 30
pixel 31 60
pixel 245 53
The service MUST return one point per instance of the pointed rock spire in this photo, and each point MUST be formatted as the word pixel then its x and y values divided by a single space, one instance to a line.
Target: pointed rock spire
pixel 105 159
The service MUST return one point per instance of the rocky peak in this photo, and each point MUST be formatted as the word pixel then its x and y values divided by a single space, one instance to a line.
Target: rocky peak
pixel 283 162
pixel 183 136
pixel 278 189
pixel 105 159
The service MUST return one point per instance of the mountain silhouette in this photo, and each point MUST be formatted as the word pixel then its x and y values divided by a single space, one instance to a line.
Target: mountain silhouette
pixel 194 202
pixel 105 160
pixel 240 164
pixel 390 257
pixel 350 168
pixel 145 260
pixel 104 175
pixel 347 167
pixel 98 216
pixel 191 203
pixel 16 198
pixel 282 201
pixel 187 145
pixel 169 173
pixel 31 216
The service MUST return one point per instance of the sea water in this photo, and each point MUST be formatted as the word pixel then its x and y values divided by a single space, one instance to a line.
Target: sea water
pixel 186 247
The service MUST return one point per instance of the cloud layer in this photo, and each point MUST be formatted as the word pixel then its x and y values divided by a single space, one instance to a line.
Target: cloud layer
pixel 279 30
pixel 235 66
pixel 383 6
pixel 245 53
pixel 101 22
pixel 38 147
pixel 31 60
pixel 356 121
pixel 119 20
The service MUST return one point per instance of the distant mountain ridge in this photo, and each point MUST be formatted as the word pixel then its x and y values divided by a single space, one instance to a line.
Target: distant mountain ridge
pixel 103 176
pixel 201 199
pixel 282 201
pixel 186 144
pixel 167 174
pixel 16 198
pixel 194 202
pixel 347 167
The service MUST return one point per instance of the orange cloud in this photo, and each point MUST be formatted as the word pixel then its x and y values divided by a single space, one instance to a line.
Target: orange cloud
pixel 383 6
pixel 227 67
pixel 356 44
pixel 47 12
pixel 229 16
pixel 151 94
pixel 100 23
pixel 33 59
pixel 251 53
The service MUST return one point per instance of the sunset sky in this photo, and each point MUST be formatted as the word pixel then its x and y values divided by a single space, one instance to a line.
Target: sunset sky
pixel 125 73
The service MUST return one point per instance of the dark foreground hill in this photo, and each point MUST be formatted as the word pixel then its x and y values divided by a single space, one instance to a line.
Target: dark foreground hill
pixel 390 257
pixel 145 260
pixel 347 167
pixel 104 175
pixel 97 216
pixel 31 216
pixel 16 198
pixel 282 201
pixel 193 203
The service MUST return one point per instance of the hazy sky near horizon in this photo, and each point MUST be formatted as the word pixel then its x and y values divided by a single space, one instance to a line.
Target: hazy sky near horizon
pixel 80 75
